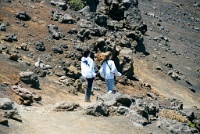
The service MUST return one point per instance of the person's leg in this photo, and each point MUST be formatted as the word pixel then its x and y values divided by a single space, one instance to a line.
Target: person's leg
pixel 89 87
pixel 110 84
pixel 107 84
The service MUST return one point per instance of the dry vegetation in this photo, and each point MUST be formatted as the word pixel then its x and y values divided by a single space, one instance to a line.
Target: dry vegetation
pixel 171 114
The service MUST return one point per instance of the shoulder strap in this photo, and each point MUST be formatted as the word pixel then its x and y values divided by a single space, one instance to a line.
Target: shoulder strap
pixel 108 66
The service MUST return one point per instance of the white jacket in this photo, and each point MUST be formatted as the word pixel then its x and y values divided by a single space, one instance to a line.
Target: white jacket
pixel 110 69
pixel 87 67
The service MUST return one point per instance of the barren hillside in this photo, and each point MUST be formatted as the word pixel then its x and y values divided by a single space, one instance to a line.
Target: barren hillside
pixel 155 45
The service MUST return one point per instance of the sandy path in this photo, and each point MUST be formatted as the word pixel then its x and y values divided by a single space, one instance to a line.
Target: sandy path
pixel 42 121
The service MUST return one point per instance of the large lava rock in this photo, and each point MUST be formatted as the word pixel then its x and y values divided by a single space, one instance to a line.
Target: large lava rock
pixel 26 97
pixel 23 16
pixel 73 72
pixel 53 30
pixel 116 99
pixel 132 15
pixel 126 62
pixel 93 5
pixel 66 18
pixel 57 49
pixel 10 37
pixel 124 25
pixel 8 110
pixel 40 46
pixel 89 29
pixel 62 18
pixel 146 108
pixel 30 78
pixel 139 120
pixel 6 104
pixel 174 126
pixel 97 109
pixel 60 4
pixel 109 105
pixel 101 19
pixel 66 106
pixel 122 10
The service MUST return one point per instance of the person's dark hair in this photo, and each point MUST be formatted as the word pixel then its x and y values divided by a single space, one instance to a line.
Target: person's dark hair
pixel 86 52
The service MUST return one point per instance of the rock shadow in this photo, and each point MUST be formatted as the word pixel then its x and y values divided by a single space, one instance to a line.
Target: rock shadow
pixel 141 47
pixel 93 5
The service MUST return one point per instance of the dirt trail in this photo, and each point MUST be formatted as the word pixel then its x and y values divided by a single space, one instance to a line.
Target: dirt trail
pixel 45 121
pixel 40 119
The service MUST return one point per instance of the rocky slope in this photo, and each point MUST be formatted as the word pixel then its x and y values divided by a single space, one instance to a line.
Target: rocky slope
pixel 155 45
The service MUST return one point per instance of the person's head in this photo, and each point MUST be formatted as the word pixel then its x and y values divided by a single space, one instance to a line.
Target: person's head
pixel 107 56
pixel 86 52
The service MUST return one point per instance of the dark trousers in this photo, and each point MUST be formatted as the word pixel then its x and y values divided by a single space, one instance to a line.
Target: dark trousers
pixel 89 88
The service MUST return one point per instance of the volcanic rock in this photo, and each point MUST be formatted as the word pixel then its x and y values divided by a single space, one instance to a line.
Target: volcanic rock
pixel 66 106
pixel 30 78
pixel 23 16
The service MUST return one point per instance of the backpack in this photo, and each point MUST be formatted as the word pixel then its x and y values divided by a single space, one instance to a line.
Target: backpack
pixel 102 72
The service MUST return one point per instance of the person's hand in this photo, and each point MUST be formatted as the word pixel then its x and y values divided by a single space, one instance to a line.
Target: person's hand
pixel 119 74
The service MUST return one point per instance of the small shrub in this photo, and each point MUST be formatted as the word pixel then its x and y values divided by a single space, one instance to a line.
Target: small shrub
pixel 192 125
pixel 171 114
pixel 76 4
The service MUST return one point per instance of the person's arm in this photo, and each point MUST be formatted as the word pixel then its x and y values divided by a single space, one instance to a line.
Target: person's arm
pixel 82 69
pixel 114 69
pixel 92 69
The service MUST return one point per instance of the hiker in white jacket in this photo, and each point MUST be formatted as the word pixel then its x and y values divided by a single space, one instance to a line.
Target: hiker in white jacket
pixel 88 72
pixel 108 69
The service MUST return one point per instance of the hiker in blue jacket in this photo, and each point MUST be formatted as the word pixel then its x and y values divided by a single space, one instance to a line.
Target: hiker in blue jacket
pixel 88 72
pixel 107 71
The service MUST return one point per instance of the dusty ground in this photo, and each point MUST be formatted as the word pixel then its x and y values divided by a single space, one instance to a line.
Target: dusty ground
pixel 184 41
pixel 40 119
pixel 72 122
